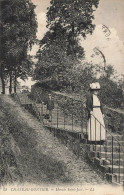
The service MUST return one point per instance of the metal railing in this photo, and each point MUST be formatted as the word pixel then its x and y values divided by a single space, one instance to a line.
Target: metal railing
pixel 63 114
pixel 112 153
pixel 70 114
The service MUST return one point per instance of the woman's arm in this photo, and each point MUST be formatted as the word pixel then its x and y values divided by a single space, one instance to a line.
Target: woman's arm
pixel 89 104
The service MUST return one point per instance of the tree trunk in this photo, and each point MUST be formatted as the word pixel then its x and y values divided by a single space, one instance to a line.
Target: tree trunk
pixel 2 80
pixel 15 82
pixel 10 87
pixel 3 85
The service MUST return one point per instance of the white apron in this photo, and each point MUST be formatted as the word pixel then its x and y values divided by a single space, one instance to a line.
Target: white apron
pixel 96 132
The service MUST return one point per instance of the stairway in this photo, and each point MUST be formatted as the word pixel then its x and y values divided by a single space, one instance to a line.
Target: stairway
pixel 60 120
pixel 23 99
pixel 108 159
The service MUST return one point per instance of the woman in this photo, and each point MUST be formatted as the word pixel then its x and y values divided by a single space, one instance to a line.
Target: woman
pixel 96 126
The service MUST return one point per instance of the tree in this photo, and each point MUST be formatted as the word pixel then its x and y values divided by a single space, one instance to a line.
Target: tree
pixel 54 66
pixel 71 18
pixel 75 16
pixel 18 33
pixel 109 71
pixel 111 93
pixel 60 51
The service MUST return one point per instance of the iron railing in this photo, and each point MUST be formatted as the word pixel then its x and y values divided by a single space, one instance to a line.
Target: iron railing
pixel 70 114
pixel 111 151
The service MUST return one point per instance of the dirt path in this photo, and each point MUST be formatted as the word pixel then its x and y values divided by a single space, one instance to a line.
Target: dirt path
pixel 41 158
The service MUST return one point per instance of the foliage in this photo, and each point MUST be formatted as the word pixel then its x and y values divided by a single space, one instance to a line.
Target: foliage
pixel 70 78
pixel 53 66
pixel 60 52
pixel 109 71
pixel 75 16
pixel 114 120
pixel 18 30
pixel 111 93
pixel 111 88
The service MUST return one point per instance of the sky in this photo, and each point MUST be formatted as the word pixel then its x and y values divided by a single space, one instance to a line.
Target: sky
pixel 110 13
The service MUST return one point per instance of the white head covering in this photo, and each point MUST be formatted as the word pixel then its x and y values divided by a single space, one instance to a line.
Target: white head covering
pixel 95 86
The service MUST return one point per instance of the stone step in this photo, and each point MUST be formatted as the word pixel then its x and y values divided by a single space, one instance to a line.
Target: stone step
pixel 108 170
pixel 103 161
pixel 98 162
pixel 109 155
pixel 115 143
pixel 115 161
pixel 61 117
pixel 105 148
pixel 62 124
pixel 119 177
pixel 61 121
pixel 56 111
pixel 115 169
pixel 115 178
pixel 102 148
pixel 118 137
pixel 66 121
pixel 55 115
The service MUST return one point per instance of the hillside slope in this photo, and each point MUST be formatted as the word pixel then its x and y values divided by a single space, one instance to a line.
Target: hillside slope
pixel 33 155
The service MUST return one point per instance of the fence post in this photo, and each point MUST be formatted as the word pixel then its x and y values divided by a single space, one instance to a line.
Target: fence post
pixel 64 120
pixel 119 162
pixel 72 115
pixel 95 134
pixel 81 118
pixel 25 99
pixel 100 140
pixel 123 164
pixel 112 154
pixel 72 121
pixel 41 116
pixel 54 132
pixel 57 114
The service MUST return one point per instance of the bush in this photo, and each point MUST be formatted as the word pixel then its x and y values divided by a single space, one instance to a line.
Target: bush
pixel 114 121
pixel 110 93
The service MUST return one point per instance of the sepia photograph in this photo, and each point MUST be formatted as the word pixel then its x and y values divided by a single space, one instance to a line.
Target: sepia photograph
pixel 62 97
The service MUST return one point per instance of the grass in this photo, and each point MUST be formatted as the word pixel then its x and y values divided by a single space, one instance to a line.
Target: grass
pixel 28 164
pixel 33 155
